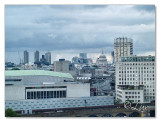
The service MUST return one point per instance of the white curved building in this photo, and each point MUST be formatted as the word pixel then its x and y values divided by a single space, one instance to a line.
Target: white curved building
pixel 28 91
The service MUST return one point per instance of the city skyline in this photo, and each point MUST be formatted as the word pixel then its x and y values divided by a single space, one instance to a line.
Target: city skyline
pixel 77 28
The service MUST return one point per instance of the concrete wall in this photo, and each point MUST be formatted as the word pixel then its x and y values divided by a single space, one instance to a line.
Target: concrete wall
pixel 17 92
pixel 61 66
pixel 30 105
pixel 78 90
pixel 134 95
pixel 13 92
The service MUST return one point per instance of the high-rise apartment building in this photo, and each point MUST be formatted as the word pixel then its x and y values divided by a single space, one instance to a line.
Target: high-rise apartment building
pixel 135 79
pixel 122 47
pixel 26 57
pixel 83 55
pixel 48 57
pixel 36 57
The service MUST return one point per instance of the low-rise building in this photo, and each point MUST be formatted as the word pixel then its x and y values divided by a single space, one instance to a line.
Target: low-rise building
pixel 35 90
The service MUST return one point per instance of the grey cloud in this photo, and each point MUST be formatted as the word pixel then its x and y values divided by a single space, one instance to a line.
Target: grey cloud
pixel 95 6
pixel 149 8
pixel 77 7
pixel 77 27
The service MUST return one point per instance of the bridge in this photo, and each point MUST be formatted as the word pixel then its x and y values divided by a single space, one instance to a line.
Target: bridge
pixel 105 111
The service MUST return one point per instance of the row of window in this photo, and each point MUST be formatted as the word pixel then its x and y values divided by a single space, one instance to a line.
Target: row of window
pixel 58 106
pixel 135 75
pixel 45 94
pixel 13 80
pixel 129 83
pixel 149 86
pixel 137 72
pixel 149 94
pixel 133 79
pixel 136 64
pixel 124 68
pixel 132 96
pixel 132 92
pixel 119 95
pixel 147 98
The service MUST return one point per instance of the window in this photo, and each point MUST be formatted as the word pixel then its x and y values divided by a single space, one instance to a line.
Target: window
pixel 64 93
pixel 45 94
pixel 35 95
pixel 31 95
pixel 61 94
pixel 55 94
pixel 28 95
pixel 58 94
pixel 38 94
pixel 42 95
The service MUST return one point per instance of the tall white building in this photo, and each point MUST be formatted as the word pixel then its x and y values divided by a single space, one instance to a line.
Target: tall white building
pixel 26 57
pixel 48 57
pixel 135 79
pixel 122 47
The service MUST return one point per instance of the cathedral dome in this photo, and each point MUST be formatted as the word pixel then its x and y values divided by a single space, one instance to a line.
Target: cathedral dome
pixel 102 60
pixel 102 56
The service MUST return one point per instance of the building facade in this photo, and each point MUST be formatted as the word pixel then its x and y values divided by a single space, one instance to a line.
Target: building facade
pixel 48 57
pixel 28 91
pixel 83 55
pixel 102 60
pixel 26 57
pixel 135 79
pixel 36 57
pixel 61 66
pixel 122 47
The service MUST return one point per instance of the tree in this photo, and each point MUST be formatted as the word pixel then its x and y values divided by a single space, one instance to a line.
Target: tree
pixel 95 66
pixel 15 68
pixel 10 113
pixel 116 102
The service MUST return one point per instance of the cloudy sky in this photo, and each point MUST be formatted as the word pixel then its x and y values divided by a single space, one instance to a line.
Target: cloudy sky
pixel 66 30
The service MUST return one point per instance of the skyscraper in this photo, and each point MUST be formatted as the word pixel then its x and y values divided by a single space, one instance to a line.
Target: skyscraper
pixel 26 57
pixel 83 55
pixel 36 57
pixel 48 57
pixel 122 47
